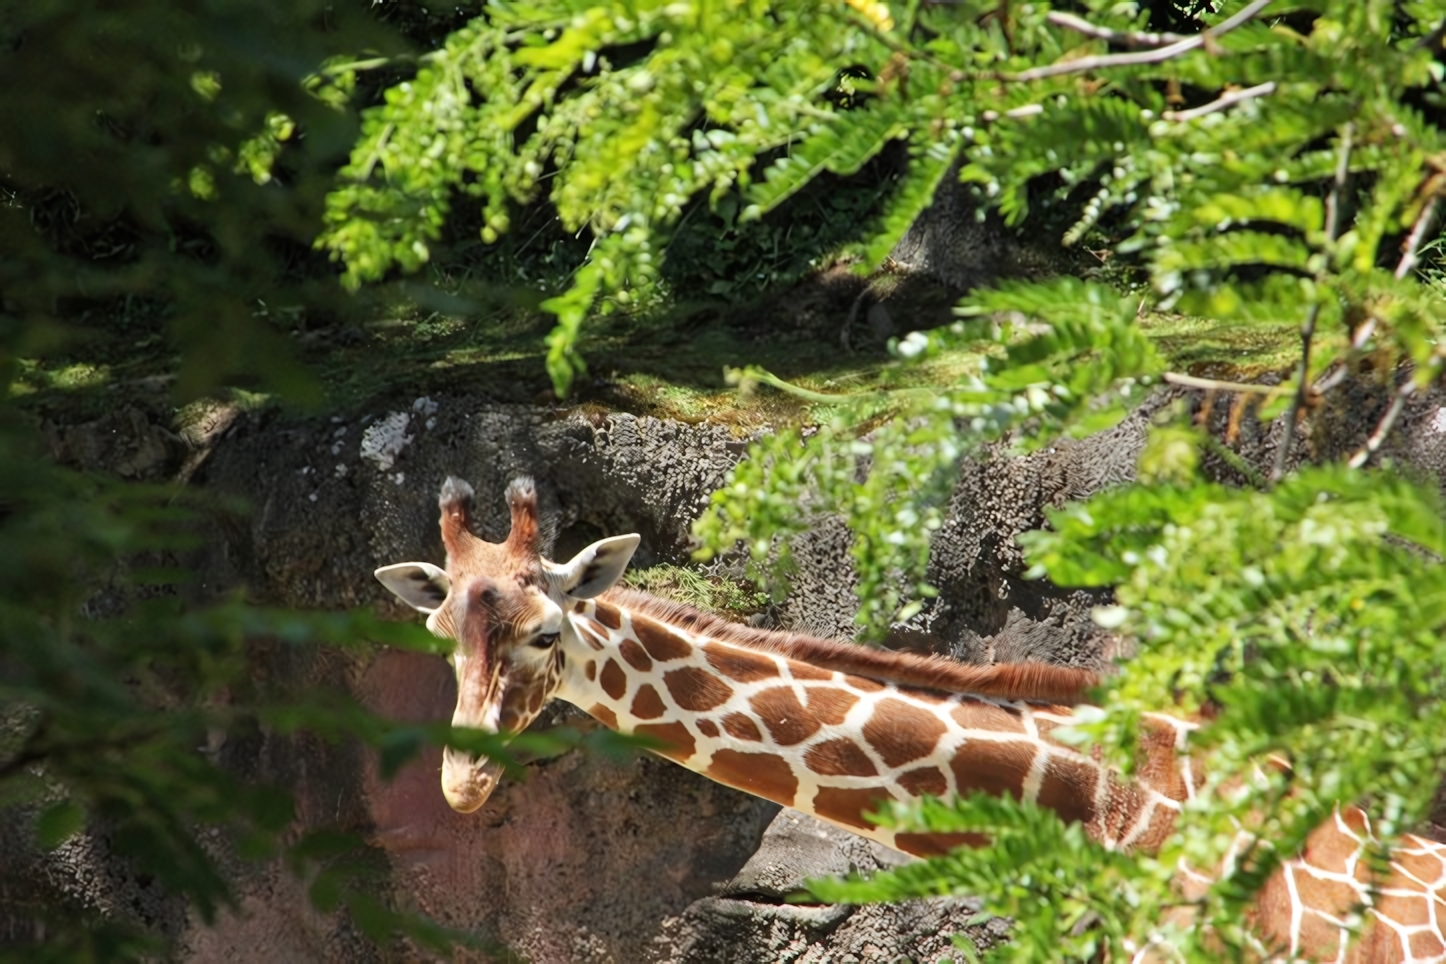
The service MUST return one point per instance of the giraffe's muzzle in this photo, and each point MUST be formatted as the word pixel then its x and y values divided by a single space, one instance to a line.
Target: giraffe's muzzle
pixel 467 781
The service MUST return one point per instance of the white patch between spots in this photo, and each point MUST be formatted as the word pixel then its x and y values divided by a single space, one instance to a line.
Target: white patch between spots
pixel 1034 779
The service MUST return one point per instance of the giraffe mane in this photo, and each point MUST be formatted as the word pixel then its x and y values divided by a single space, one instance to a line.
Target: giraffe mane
pixel 1042 682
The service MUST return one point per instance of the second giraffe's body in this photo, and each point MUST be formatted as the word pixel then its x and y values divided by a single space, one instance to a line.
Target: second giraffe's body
pixel 833 729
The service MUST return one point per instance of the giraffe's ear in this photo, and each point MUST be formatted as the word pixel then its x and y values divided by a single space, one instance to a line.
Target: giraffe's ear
pixel 595 569
pixel 420 585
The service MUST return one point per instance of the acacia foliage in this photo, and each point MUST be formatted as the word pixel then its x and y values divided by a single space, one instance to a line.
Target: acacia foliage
pixel 153 178
pixel 1214 155
pixel 1265 163
pixel 1310 616
pixel 1308 611
pixel 1281 165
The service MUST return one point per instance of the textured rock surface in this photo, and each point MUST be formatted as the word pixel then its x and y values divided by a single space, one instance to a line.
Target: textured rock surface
pixel 588 860
pixel 750 921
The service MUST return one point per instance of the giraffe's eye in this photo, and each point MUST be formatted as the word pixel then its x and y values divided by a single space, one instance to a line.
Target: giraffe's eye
pixel 544 641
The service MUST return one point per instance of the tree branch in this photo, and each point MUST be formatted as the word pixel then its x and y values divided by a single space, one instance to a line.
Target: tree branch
pixel 1224 101
pixel 1214 385
pixel 1016 113
pixel 1307 329
pixel 1133 39
pixel 1378 437
pixel 1156 56
pixel 1411 252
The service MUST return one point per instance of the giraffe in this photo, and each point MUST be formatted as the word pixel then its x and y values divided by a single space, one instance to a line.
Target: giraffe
pixel 833 729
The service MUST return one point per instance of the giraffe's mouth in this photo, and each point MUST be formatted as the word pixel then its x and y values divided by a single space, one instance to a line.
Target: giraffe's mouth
pixel 467 781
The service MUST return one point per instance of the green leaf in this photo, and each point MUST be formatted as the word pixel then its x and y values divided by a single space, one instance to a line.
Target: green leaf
pixel 58 823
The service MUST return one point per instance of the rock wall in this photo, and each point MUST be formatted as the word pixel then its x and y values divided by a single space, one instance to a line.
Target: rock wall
pixel 587 860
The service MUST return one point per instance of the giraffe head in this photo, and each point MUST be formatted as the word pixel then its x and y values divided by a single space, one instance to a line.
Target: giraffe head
pixel 503 606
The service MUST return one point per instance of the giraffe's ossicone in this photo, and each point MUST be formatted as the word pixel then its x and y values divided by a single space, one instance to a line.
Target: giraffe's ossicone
pixel 834 729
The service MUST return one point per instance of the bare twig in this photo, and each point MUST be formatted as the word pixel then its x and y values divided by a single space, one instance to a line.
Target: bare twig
pixel 1363 333
pixel 1214 385
pixel 1336 198
pixel 1292 414
pixel 1359 337
pixel 1378 437
pixel 1330 381
pixel 1307 329
pixel 1028 110
pixel 1224 101
pixel 1138 39
pixel 1411 252
pixel 1156 56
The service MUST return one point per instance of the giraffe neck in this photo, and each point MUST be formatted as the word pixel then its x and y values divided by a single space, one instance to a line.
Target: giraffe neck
pixel 747 712
pixel 845 729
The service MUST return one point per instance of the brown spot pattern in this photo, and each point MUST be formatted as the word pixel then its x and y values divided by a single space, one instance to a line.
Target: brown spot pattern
pixel 924 780
pixel 515 713
pixel 937 844
pixel 1355 820
pixel 613 680
pixel 591 635
pixel 1409 911
pixel 864 683
pixel 647 705
pixel 660 643
pixel 741 727
pixel 590 670
pixel 706 727
pixel 604 715
pixel 829 706
pixel 1425 867
pixel 1157 764
pixel 787 721
pixel 738 664
pixel 1329 849
pixel 1068 788
pixel 1425 946
pixel 766 775
pixel 1333 896
pixel 995 768
pixel 848 806
pixel 579 606
pixel 609 616
pixel 839 758
pixel 901 732
pixel 1159 827
pixel 695 689
pixel 803 671
pixel 635 656
pixel 678 742
pixel 978 715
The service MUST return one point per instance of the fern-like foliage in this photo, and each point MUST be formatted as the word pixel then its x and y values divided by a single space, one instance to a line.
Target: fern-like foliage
pixel 1312 616
pixel 553 96
pixel 886 462
pixel 1219 156
pixel 1263 163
